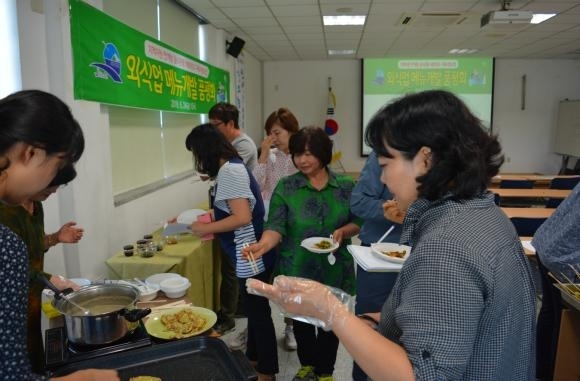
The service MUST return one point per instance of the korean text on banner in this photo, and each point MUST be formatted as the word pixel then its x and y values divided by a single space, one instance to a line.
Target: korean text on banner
pixel 116 64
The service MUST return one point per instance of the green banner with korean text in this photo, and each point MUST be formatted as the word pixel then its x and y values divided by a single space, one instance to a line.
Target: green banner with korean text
pixel 116 64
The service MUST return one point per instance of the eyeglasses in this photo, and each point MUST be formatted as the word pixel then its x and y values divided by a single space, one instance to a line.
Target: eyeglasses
pixel 218 123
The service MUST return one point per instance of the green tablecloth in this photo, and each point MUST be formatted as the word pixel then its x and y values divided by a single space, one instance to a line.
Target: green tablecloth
pixel 190 257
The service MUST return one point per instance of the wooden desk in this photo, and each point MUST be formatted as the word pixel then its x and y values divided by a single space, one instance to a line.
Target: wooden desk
pixel 531 193
pixel 190 257
pixel 567 366
pixel 528 212
pixel 540 181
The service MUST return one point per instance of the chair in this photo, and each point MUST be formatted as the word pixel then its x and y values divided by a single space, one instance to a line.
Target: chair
pixel 526 227
pixel 561 183
pixel 517 184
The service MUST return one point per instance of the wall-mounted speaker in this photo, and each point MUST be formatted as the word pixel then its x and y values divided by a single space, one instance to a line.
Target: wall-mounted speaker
pixel 235 47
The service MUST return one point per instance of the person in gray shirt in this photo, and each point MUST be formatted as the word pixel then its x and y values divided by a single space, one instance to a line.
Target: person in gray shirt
pixel 225 117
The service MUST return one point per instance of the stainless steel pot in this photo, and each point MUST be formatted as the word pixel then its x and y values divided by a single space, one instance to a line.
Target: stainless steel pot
pixel 112 313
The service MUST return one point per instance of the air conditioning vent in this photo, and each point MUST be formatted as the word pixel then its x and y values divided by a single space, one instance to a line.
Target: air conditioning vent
pixel 431 19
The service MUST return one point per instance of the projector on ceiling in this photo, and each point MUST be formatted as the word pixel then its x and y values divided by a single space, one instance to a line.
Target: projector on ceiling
pixel 506 17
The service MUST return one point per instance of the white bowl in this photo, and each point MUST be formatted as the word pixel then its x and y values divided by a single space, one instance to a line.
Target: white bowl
pixel 157 278
pixel 147 293
pixel 175 287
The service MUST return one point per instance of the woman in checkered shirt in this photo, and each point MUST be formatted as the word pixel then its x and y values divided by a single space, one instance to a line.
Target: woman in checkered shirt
pixel 463 306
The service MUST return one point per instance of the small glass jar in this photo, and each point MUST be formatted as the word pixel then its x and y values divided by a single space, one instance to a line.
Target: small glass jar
pixel 171 239
pixel 147 250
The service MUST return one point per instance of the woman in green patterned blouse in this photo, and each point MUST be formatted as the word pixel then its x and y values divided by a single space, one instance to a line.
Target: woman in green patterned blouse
pixel 312 203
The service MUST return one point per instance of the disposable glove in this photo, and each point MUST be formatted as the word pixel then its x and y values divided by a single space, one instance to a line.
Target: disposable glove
pixel 306 300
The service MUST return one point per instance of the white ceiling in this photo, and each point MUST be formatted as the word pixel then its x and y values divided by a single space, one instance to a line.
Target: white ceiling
pixel 276 30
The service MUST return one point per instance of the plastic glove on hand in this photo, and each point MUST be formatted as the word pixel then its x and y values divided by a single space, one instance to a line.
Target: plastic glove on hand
pixel 311 301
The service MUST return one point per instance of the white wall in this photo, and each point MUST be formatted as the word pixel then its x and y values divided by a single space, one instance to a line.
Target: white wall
pixel 302 87
pixel 526 135
pixel 47 65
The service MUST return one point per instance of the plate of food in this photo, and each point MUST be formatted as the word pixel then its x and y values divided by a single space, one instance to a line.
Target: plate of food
pixel 319 245
pixel 391 252
pixel 180 322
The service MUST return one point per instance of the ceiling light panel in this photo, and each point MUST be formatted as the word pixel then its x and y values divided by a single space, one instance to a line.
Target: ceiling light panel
pixel 343 20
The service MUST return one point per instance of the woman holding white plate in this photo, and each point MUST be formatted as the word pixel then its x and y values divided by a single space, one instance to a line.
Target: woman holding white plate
pixel 463 306
pixel 312 203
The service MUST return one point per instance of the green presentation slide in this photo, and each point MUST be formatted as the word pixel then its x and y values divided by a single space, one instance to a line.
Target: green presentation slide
pixel 385 79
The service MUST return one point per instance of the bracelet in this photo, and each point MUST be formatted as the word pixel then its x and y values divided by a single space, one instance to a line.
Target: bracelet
pixel 52 239
pixel 368 318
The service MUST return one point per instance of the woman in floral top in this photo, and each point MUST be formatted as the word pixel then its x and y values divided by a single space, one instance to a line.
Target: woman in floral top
pixel 312 203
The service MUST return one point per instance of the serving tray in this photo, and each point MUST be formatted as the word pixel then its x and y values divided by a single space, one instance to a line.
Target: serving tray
pixel 197 358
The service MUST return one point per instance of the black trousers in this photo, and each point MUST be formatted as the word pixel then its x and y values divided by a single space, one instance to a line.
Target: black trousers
pixel 261 345
pixel 316 347
pixel 228 287
pixel 548 326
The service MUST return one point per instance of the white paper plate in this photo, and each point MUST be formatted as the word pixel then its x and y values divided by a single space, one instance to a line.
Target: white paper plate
pixel 189 216
pixel 157 278
pixel 310 245
pixel 379 250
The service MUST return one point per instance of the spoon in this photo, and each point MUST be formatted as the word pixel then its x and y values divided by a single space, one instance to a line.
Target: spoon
pixel 331 258
pixel 386 234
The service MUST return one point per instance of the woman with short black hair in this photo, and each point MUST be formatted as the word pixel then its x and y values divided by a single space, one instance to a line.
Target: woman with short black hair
pixel 463 306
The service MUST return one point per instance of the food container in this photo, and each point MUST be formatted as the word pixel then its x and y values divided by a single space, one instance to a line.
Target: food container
pixel 147 250
pixel 171 239
pixel 128 250
pixel 112 313
pixel 174 287
pixel 148 292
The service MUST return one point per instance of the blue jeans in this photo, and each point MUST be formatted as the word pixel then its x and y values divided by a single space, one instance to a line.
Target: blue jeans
pixel 372 290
